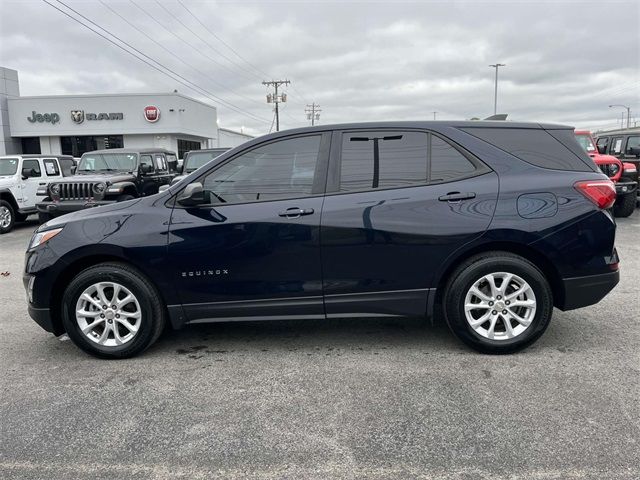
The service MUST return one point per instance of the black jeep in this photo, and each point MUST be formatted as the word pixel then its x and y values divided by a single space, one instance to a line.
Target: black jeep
pixel 107 176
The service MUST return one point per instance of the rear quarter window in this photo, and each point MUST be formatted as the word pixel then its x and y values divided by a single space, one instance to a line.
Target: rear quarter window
pixel 539 147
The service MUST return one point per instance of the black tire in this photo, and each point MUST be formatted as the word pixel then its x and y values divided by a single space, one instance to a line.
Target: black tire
pixel 625 206
pixel 8 226
pixel 124 197
pixel 474 269
pixel 21 217
pixel 44 217
pixel 152 309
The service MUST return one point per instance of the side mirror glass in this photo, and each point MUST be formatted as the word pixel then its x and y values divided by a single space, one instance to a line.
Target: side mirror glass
pixel 146 168
pixel 27 172
pixel 192 195
pixel 602 149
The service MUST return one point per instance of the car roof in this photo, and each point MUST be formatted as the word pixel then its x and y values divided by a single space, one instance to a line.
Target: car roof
pixel 37 155
pixel 132 150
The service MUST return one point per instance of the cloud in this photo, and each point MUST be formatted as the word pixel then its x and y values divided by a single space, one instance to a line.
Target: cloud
pixel 359 60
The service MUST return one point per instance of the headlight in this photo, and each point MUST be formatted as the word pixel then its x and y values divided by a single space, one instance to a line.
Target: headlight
pixel 115 189
pixel 55 189
pixel 99 188
pixel 614 169
pixel 40 238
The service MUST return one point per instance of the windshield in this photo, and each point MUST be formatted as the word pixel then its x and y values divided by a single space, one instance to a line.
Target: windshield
pixel 8 166
pixel 195 160
pixel 585 142
pixel 107 162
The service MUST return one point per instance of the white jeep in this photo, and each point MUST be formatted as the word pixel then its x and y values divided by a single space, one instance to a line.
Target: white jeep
pixel 20 178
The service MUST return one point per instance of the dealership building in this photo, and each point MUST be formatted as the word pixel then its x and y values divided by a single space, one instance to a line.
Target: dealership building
pixel 74 124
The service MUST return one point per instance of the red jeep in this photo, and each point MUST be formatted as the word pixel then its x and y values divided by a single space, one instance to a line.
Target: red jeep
pixel 621 174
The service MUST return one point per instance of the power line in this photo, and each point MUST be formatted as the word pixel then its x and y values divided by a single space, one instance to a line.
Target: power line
pixel 204 41
pixel 164 70
pixel 141 31
pixel 261 72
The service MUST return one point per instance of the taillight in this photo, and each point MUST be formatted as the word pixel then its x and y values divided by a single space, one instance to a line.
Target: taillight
pixel 601 192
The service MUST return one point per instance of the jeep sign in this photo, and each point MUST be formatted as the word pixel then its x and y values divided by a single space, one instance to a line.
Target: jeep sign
pixel 151 114
pixel 52 118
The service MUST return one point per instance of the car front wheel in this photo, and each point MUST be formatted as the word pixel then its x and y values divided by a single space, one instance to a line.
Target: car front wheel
pixel 625 206
pixel 112 311
pixel 498 303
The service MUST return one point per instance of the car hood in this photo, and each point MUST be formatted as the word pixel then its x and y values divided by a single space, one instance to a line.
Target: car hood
pixel 88 213
pixel 110 177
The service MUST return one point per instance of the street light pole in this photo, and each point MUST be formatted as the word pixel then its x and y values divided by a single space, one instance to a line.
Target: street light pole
pixel 628 113
pixel 495 94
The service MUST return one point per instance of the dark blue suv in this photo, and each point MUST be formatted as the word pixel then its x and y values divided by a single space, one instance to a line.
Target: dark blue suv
pixel 494 223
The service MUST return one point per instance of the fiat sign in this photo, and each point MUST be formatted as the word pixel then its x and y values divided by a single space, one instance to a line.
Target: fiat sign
pixel 151 114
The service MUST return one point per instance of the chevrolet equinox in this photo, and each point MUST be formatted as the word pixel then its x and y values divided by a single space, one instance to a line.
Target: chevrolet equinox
pixel 492 223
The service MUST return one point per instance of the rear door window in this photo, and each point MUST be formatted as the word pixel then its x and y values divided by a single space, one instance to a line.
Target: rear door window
pixel 616 146
pixel 51 167
pixel 539 147
pixel 448 163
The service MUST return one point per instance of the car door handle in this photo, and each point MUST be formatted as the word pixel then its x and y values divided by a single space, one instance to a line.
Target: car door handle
pixel 296 212
pixel 456 196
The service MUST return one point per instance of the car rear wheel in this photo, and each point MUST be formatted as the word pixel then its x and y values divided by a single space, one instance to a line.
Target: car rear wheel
pixel 626 205
pixel 112 311
pixel 498 303
pixel 7 217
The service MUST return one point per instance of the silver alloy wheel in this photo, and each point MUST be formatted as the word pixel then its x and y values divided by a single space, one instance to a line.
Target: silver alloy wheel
pixel 108 314
pixel 500 306
pixel 5 217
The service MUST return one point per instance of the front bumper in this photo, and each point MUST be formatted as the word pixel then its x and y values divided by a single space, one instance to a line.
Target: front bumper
pixel 584 291
pixel 623 188
pixel 60 208
pixel 42 316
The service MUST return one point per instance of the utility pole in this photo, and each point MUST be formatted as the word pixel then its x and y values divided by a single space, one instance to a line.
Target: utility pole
pixel 434 115
pixel 628 113
pixel 313 112
pixel 275 98
pixel 495 94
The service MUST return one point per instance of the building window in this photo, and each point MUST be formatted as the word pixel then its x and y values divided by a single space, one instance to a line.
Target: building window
pixel 185 146
pixel 31 145
pixel 76 146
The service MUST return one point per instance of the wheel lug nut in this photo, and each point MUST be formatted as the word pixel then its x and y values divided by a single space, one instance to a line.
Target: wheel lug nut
pixel 507 302
pixel 104 307
pixel 504 312
pixel 491 304
pixel 494 313
pixel 102 315
pixel 113 307
pixel 117 315
pixel 499 297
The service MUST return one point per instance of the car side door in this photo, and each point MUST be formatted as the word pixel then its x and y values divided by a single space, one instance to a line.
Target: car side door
pixel 251 249
pixel 29 185
pixel 398 203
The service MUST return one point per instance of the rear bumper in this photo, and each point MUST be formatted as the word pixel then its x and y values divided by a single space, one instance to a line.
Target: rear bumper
pixel 584 291
pixel 60 208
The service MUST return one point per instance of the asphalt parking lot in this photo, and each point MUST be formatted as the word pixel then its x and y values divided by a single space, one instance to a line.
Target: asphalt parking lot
pixel 325 399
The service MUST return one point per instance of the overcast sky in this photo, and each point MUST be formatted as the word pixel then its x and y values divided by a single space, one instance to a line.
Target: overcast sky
pixel 566 60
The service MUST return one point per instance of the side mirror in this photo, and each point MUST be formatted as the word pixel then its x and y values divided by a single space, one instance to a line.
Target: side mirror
pixel 74 169
pixel 602 149
pixel 192 195
pixel 146 168
pixel 163 188
pixel 28 172
pixel 180 169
